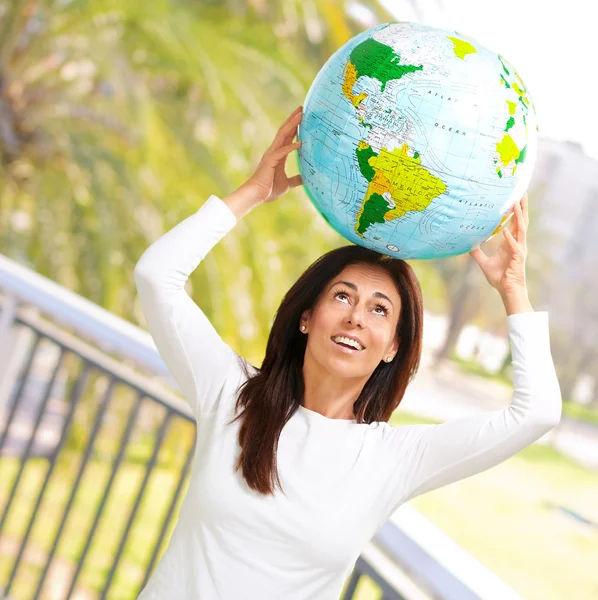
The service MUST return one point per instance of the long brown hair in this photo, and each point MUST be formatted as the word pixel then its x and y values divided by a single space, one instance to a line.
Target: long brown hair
pixel 270 397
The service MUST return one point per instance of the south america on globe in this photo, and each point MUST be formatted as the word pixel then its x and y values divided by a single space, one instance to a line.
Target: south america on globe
pixel 416 142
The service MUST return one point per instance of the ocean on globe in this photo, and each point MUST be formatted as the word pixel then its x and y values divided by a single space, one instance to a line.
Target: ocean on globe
pixel 416 142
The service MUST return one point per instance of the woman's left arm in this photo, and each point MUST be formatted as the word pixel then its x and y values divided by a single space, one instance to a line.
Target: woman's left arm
pixel 436 455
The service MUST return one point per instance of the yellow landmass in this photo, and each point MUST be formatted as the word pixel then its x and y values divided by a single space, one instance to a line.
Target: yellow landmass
pixel 507 150
pixel 502 222
pixel 512 107
pixel 411 186
pixel 349 82
pixel 461 48
pixel 520 92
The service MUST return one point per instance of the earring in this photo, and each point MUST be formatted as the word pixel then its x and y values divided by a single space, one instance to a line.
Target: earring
pixel 303 328
pixel 388 358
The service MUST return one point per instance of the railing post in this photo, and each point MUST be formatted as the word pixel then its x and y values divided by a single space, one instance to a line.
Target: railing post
pixel 14 342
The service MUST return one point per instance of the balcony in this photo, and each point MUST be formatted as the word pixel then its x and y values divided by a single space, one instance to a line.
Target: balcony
pixel 96 446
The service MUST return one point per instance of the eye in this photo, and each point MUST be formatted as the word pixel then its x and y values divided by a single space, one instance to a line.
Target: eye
pixel 382 307
pixel 341 293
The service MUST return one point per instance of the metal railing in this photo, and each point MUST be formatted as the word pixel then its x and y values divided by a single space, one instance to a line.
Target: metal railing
pixel 95 459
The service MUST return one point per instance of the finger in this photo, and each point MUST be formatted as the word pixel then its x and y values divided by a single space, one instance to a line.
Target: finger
pixel 293 124
pixel 292 115
pixel 289 127
pixel 282 152
pixel 520 231
pixel 511 241
pixel 511 222
pixel 479 256
pixel 290 135
pixel 525 207
pixel 516 231
pixel 295 181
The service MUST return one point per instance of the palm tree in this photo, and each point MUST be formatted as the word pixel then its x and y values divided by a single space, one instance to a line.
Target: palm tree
pixel 118 118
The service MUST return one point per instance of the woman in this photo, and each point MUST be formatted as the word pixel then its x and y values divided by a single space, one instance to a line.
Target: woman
pixel 295 466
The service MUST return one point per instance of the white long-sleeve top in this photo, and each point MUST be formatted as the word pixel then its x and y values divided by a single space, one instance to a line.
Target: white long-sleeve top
pixel 342 479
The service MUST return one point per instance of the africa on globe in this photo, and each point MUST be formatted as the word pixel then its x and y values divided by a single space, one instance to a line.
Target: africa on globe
pixel 416 142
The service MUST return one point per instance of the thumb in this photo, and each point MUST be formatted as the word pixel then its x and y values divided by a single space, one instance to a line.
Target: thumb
pixel 479 256
pixel 295 181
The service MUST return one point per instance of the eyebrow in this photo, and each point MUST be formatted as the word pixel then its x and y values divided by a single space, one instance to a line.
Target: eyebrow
pixel 354 287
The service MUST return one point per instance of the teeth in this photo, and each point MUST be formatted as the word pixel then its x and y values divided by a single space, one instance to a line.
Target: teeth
pixel 348 341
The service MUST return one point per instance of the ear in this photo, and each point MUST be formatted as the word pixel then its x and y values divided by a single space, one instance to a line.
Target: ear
pixel 305 317
pixel 393 349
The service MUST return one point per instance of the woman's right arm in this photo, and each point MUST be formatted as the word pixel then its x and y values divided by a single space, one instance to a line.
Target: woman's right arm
pixel 198 358
pixel 192 349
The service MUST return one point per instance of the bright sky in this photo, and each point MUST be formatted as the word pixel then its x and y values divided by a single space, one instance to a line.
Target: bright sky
pixel 552 44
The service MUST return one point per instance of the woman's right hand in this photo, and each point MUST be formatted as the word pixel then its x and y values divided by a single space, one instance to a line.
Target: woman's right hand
pixel 270 181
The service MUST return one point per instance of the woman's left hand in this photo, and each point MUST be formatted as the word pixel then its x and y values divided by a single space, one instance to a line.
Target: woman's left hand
pixel 505 270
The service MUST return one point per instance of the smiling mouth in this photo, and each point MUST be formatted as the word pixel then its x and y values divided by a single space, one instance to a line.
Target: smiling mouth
pixel 346 347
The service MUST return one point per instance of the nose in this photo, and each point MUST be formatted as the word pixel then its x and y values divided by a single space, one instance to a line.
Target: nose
pixel 356 316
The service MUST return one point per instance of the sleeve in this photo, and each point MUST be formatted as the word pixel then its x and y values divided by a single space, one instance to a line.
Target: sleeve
pixel 193 351
pixel 432 456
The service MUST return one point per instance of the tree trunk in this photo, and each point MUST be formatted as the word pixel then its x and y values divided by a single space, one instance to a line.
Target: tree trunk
pixel 10 31
pixel 465 302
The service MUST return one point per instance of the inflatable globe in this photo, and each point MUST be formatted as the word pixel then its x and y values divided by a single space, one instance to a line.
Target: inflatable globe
pixel 417 142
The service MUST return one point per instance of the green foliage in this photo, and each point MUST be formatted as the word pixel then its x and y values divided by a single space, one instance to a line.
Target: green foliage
pixel 123 117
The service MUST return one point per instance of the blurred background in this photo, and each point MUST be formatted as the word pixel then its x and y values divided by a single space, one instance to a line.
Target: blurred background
pixel 117 121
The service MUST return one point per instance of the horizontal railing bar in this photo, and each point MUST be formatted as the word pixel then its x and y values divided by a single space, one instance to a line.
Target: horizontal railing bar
pixel 435 562
pixel 118 371
pixel 92 322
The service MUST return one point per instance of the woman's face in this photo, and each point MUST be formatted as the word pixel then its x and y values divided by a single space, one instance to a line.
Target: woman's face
pixel 362 302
